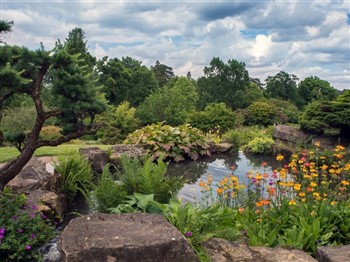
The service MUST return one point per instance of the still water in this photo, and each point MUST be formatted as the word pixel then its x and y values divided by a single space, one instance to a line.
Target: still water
pixel 218 166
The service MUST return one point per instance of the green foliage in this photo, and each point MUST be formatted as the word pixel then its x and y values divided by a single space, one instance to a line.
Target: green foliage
pixel 107 193
pixel 223 82
pixel 137 203
pixel 304 227
pixel 313 88
pixel 23 229
pixel 242 136
pixel 213 116
pixel 76 174
pixel 145 177
pixel 171 103
pixel 260 113
pixel 327 117
pixel 287 112
pixel 15 138
pixel 50 132
pixel 171 142
pixel 283 86
pixel 259 145
pixel 126 80
pixel 200 224
pixel 163 73
pixel 18 119
pixel 117 123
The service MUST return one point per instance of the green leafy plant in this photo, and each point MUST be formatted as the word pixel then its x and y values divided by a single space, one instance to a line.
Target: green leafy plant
pixel 214 115
pixel 23 229
pixel 172 142
pixel 260 145
pixel 137 203
pixel 76 174
pixel 146 177
pixel 107 193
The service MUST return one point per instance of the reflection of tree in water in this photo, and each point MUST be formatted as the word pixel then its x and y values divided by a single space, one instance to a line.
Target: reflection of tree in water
pixel 193 170
pixel 257 159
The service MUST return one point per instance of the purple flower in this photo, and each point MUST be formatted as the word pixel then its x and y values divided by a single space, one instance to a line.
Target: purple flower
pixel 14 218
pixel 32 236
pixel 271 182
pixel 254 180
pixel 244 232
pixel 1 236
pixel 20 230
pixel 44 217
pixel 34 207
pixel 188 234
pixel 2 230
pixel 28 247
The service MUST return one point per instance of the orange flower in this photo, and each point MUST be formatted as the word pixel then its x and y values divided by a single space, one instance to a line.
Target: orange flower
pixel 201 184
pixel 309 189
pixel 219 190
pixel 241 210
pixel 264 164
pixel 271 191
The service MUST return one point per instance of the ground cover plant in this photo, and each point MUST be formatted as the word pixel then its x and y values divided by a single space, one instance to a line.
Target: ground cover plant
pixel 23 229
pixel 175 143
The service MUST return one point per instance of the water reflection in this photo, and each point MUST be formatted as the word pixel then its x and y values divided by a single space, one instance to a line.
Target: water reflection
pixel 218 166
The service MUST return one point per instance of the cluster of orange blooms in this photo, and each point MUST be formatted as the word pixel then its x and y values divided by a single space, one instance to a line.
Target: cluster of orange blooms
pixel 310 176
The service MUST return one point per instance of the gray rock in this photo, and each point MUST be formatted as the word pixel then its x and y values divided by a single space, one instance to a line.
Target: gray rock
pixel 291 134
pixel 96 156
pixel 50 252
pixel 135 151
pixel 333 253
pixel 221 250
pixel 34 176
pixel 282 254
pixel 123 237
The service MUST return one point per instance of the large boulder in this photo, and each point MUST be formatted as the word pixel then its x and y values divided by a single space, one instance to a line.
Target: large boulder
pixel 131 150
pixel 37 173
pixel 123 237
pixel 221 250
pixel 98 157
pixel 291 134
pixel 333 253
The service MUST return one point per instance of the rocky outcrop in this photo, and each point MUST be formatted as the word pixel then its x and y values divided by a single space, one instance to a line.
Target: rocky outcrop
pixel 293 136
pixel 97 157
pixel 333 253
pixel 220 147
pixel 136 151
pixel 42 186
pixel 221 250
pixel 123 237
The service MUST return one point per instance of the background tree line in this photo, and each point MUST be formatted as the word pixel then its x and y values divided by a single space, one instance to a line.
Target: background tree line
pixel 48 97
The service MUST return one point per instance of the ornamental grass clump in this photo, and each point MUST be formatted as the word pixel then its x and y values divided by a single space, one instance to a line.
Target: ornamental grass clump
pixel 23 229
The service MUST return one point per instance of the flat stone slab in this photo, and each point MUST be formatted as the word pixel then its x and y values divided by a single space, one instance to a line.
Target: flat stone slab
pixel 333 253
pixel 123 238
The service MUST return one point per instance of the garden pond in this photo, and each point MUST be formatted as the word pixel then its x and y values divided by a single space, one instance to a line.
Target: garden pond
pixel 218 166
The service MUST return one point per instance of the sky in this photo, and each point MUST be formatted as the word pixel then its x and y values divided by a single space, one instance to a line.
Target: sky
pixel 303 38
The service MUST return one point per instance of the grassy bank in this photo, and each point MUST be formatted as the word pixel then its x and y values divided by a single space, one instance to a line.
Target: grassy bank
pixel 7 153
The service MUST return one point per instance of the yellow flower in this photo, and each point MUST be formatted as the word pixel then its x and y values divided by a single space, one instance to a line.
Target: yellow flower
pixel 313 184
pixel 234 178
pixel 344 183
pixel 259 220
pixel 297 187
pixel 317 144
pixel 302 194
pixel 324 167
pixel 333 203
pixel 292 202
pixel 279 157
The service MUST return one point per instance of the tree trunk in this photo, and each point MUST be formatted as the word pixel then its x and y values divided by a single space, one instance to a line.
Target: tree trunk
pixel 14 166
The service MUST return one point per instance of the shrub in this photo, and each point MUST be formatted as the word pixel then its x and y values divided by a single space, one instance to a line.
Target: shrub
pixel 76 174
pixel 214 115
pixel 172 142
pixel 23 229
pixel 50 132
pixel 107 193
pixel 327 117
pixel 260 145
pixel 145 177
pixel 117 123
pixel 260 113
pixel 242 136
